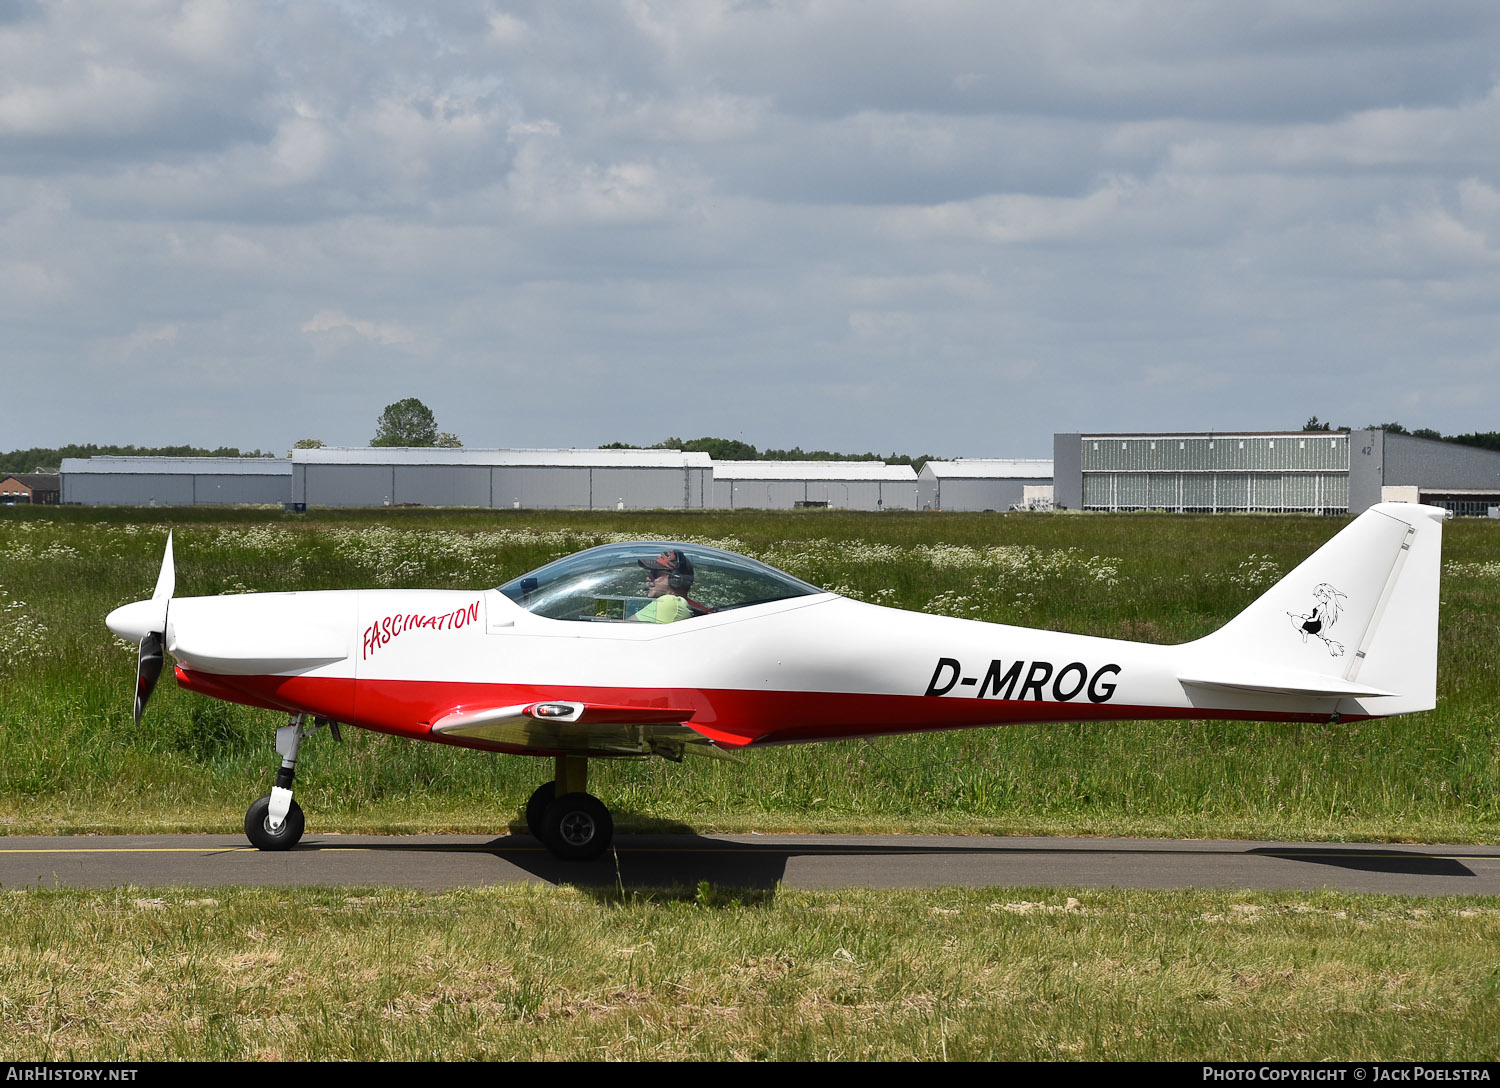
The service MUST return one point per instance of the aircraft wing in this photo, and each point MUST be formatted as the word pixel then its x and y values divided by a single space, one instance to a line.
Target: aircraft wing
pixel 584 728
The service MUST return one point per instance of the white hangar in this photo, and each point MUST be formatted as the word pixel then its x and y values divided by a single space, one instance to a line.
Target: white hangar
pixel 175 481
pixel 839 485
pixel 523 479
pixel 986 483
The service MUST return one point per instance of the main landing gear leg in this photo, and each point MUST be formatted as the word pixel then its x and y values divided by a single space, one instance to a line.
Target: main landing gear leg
pixel 275 822
pixel 571 823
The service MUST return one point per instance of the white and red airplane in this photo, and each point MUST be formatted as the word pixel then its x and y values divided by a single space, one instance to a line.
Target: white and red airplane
pixel 567 662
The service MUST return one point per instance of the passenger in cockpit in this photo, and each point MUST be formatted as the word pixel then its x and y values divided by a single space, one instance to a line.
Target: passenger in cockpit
pixel 668 578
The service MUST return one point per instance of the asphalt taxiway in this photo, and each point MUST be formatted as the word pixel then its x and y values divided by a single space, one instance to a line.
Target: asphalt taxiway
pixel 437 862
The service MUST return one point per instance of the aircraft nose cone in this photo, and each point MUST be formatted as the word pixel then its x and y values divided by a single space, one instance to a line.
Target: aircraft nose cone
pixel 133 621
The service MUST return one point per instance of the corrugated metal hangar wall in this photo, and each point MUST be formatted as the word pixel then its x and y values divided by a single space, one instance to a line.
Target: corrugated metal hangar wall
pixel 1385 466
pixel 175 481
pixel 838 485
pixel 982 483
pixel 1276 471
pixel 1279 471
pixel 527 479
pixel 1320 472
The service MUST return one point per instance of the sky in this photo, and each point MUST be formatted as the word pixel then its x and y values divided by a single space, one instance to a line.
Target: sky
pixel 939 227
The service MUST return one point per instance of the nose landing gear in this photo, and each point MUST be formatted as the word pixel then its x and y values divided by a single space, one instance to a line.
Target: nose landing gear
pixel 275 822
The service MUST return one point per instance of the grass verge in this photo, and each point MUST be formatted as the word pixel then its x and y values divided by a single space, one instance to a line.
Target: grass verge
pixel 561 973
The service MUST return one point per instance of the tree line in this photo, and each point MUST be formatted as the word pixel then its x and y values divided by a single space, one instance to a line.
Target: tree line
pixel 49 459
pixel 1485 440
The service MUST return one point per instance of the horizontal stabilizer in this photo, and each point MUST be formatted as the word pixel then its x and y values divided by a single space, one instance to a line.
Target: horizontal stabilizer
pixel 1289 683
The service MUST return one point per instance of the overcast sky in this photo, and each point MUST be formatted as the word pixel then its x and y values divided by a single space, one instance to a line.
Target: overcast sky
pixel 927 227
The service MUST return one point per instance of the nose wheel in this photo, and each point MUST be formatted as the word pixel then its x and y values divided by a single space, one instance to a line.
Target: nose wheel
pixel 570 822
pixel 263 836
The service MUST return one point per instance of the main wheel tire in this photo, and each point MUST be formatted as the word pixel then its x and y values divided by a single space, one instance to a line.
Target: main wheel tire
pixel 577 827
pixel 536 807
pixel 259 832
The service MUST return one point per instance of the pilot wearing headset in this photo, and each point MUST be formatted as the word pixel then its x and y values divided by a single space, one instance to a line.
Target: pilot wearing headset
pixel 668 578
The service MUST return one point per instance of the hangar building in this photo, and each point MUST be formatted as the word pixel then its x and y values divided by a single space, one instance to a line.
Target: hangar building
pixel 527 479
pixel 1387 467
pixel 175 481
pixel 839 485
pixel 1319 472
pixel 986 483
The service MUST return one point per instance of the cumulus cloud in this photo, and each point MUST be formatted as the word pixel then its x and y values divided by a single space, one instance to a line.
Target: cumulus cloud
pixel 1160 214
pixel 334 320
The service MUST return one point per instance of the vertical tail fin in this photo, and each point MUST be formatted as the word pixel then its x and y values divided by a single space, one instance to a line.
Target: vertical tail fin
pixel 1356 619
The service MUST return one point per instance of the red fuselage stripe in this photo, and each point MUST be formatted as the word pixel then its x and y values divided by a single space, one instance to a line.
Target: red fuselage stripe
pixel 733 718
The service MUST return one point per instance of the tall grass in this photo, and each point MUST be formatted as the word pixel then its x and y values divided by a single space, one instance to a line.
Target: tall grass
pixel 72 759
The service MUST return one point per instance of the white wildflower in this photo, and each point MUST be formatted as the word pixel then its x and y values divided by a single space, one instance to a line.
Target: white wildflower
pixel 22 636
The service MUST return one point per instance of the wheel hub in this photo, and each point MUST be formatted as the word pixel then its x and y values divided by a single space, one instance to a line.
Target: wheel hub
pixel 577 828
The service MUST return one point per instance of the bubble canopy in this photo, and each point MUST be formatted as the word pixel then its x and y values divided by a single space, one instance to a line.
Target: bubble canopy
pixel 608 583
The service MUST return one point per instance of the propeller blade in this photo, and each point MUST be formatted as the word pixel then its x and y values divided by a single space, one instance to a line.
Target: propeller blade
pixel 148 669
pixel 166 581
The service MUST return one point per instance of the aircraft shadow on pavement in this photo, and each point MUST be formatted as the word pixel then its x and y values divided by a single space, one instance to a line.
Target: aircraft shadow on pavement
pixel 1370 860
pixel 689 861
pixel 657 862
pixel 698 866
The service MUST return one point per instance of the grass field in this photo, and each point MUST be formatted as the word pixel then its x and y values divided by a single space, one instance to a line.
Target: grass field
pixel 72 760
pixel 569 973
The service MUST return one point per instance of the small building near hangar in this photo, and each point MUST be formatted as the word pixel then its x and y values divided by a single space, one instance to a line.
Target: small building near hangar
pixel 986 483
pixel 41 488
pixel 570 479
pixel 175 481
pixel 838 485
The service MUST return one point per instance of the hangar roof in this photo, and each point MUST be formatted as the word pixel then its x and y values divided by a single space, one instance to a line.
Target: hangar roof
pixel 43 480
pixel 180 466
pixel 812 470
pixel 434 455
pixel 990 468
pixel 1226 435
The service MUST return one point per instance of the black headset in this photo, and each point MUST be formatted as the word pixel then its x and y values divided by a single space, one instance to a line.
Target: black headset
pixel 677 577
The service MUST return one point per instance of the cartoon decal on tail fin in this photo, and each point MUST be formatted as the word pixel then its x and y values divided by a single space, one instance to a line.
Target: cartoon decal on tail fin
pixel 1325 613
